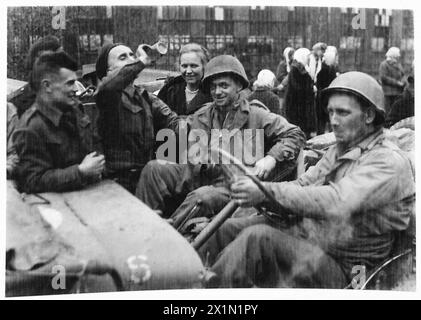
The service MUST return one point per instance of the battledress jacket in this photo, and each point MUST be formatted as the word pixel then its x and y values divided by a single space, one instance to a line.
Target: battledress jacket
pixel 49 154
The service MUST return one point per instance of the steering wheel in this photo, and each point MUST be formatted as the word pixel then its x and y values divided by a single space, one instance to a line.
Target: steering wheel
pixel 274 204
pixel 281 213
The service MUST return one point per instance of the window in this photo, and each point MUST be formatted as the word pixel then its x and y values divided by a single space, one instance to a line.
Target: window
pixel 175 41
pixel 219 13
pixel 160 12
pixel 350 42
pixel 109 12
pixel 382 18
pixel 218 42
pixel 109 38
pixel 407 44
pixel 377 44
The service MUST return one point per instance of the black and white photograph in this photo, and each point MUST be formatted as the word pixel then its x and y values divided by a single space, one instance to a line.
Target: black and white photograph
pixel 188 148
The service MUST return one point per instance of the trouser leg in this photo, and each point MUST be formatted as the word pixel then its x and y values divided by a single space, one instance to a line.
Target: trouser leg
pixel 267 257
pixel 225 235
pixel 210 201
pixel 160 185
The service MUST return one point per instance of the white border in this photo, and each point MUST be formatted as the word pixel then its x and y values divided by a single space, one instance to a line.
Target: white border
pixel 211 294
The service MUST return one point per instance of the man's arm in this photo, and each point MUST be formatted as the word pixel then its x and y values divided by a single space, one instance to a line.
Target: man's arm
pixel 163 116
pixel 287 139
pixel 35 169
pixel 119 79
pixel 379 179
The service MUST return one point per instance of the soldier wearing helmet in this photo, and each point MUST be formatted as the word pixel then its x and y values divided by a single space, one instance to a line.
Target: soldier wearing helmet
pixel 161 184
pixel 349 206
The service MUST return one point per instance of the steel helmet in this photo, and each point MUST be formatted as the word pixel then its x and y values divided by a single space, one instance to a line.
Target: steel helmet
pixel 359 84
pixel 224 64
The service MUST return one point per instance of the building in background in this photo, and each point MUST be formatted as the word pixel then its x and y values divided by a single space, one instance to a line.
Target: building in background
pixel 256 35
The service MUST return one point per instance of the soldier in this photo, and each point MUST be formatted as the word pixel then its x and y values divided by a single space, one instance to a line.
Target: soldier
pixel 225 78
pixel 26 96
pixel 351 204
pixel 53 141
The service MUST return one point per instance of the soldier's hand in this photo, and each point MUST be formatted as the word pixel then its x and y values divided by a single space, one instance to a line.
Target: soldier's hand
pixel 264 166
pixel 245 192
pixel 92 165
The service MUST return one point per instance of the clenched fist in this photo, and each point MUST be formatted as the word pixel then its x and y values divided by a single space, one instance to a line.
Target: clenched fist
pixel 264 167
pixel 92 165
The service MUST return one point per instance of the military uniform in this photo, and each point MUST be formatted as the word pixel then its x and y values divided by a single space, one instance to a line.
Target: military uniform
pixel 349 207
pixel 205 185
pixel 159 184
pixel 50 145
pixel 352 205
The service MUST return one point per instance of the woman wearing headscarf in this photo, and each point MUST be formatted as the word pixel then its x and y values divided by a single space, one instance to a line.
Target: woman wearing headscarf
pixel 316 58
pixel 184 94
pixel 324 78
pixel 282 72
pixel 299 97
pixel 284 65
pixel 335 64
pixel 391 77
pixel 263 87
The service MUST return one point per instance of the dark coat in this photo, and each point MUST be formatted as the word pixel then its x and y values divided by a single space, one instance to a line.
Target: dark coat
pixel 391 73
pixel 268 98
pixel 173 94
pixel 129 118
pixel 281 71
pixel 326 75
pixel 299 99
pixel 401 109
pixel 49 151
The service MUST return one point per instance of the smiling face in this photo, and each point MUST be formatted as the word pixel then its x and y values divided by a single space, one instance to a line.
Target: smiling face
pixel 224 90
pixel 119 56
pixel 62 88
pixel 191 68
pixel 350 123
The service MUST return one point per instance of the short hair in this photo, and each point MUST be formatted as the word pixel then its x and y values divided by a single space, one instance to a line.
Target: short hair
pixel 50 63
pixel 201 51
pixel 47 43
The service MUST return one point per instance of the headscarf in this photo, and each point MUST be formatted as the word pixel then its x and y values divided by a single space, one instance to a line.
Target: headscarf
pixel 301 56
pixel 265 79
pixel 332 48
pixel 334 51
pixel 393 53
pixel 329 57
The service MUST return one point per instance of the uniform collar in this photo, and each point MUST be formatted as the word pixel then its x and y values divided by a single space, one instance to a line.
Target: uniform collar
pixel 51 113
pixel 54 114
pixel 367 144
pixel 241 109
